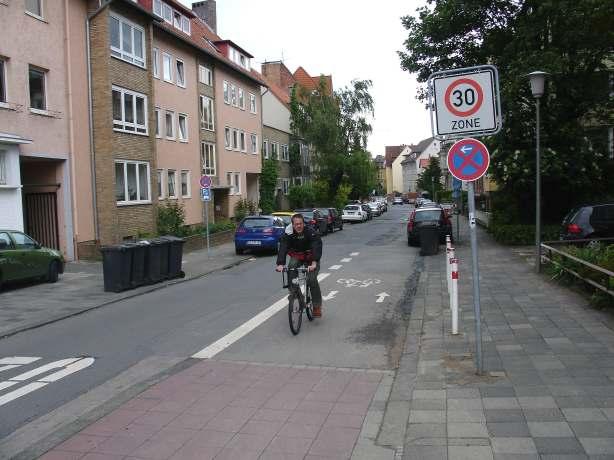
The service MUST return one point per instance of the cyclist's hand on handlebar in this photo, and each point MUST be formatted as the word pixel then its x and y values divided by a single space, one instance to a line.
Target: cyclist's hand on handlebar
pixel 279 268
pixel 312 267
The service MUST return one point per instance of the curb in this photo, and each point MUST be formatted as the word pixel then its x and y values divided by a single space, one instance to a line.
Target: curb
pixel 146 290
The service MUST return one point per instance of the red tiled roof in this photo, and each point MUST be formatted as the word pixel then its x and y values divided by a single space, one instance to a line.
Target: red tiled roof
pixel 307 81
pixel 279 93
pixel 392 152
pixel 424 162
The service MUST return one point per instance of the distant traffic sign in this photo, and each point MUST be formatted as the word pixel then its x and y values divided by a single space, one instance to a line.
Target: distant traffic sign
pixel 205 181
pixel 465 101
pixel 205 194
pixel 468 159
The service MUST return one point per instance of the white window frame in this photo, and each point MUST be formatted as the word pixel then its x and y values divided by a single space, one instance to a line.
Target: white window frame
pixel 252 103
pixel 206 107
pixel 205 75
pixel 160 175
pixel 158 114
pixel 226 92
pixel 172 137
pixel 170 67
pixel 233 95
pixel 207 158
pixel 181 84
pixel 127 56
pixel 172 172
pixel 44 75
pixel 128 202
pixel 157 8
pixel 3 167
pixel 265 149
pixel 285 186
pixel 285 152
pixel 183 137
pixel 242 141
pixel 155 59
pixel 185 173
pixel 254 142
pixel 227 138
pixel 235 139
pixel 185 25
pixel 237 183
pixel 36 15
pixel 139 129
pixel 229 181
pixel 167 9
pixel 3 83
pixel 241 99
pixel 274 150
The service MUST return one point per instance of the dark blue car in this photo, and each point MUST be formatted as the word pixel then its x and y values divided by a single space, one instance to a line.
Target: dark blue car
pixel 260 233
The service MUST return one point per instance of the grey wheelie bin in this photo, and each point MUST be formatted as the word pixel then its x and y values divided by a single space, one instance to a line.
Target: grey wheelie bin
pixel 138 257
pixel 116 267
pixel 175 256
pixel 429 240
pixel 156 261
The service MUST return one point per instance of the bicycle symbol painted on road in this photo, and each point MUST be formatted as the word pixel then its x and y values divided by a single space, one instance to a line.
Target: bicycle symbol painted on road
pixel 351 282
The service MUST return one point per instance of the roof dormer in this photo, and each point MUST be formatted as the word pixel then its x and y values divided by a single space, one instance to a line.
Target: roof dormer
pixel 173 15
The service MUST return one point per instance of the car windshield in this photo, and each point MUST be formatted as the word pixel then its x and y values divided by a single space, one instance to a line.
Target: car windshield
pixel 351 208
pixel 569 217
pixel 324 211
pixel 257 223
pixel 286 219
pixel 423 216
pixel 307 214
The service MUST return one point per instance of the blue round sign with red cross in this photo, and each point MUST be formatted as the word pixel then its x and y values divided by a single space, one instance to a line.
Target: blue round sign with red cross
pixel 468 159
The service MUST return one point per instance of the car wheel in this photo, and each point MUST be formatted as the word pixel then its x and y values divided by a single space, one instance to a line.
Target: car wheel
pixel 341 227
pixel 53 273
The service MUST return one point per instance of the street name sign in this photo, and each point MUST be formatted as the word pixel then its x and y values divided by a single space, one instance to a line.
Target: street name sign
pixel 464 102
pixel 468 159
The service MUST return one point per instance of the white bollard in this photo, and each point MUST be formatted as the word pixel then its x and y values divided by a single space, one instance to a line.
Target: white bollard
pixel 450 256
pixel 448 249
pixel 454 295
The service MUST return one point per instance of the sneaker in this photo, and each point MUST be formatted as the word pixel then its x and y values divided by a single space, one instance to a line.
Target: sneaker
pixel 317 312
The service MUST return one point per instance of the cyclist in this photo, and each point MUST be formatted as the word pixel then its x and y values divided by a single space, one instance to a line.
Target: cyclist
pixel 304 246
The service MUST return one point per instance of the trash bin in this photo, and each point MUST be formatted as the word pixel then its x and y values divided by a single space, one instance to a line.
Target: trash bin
pixel 116 267
pixel 175 256
pixel 138 252
pixel 429 240
pixel 156 261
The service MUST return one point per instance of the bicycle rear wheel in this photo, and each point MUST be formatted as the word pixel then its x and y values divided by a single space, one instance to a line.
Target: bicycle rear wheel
pixel 295 312
pixel 309 304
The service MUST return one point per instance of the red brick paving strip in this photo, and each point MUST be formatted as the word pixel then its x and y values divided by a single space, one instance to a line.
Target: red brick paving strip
pixel 229 410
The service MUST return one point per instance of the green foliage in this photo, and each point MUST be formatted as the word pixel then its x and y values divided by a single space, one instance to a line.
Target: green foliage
pixel 220 226
pixel 430 179
pixel 268 183
pixel 520 235
pixel 342 196
pixel 171 219
pixel 244 207
pixel 361 173
pixel 301 196
pixel 296 168
pixel 570 39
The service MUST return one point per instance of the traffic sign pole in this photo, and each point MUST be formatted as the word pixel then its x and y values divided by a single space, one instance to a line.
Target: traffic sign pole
pixel 479 364
pixel 207 225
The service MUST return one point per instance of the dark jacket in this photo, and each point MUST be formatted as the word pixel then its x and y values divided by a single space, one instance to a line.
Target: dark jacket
pixel 293 243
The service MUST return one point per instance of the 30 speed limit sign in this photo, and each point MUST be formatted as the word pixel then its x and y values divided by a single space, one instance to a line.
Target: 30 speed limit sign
pixel 465 101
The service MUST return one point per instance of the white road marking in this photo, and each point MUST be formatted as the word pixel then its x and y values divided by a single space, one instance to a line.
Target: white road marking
pixel 351 282
pixel 347 259
pixel 246 327
pixel 354 254
pixel 335 267
pixel 6 368
pixel 381 296
pixel 19 360
pixel 43 369
pixel 331 295
pixel 21 392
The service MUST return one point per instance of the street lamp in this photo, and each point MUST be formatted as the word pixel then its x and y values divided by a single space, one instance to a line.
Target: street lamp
pixel 537 80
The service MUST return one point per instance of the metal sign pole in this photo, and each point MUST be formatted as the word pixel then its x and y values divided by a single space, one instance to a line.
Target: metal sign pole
pixel 207 225
pixel 476 281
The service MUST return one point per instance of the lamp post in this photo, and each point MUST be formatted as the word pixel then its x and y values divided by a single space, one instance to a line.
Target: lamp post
pixel 537 80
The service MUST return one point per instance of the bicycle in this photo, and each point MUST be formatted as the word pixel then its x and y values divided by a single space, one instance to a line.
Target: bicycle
pixel 297 302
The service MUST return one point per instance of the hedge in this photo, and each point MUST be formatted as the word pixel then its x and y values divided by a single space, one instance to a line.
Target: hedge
pixel 521 235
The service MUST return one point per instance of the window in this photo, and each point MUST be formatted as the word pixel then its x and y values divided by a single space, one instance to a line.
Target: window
pixel 229 178
pixel 205 75
pixel 169 118
pixel 6 241
pixel 252 103
pixel 129 111
pixel 285 186
pixel 177 19
pixel 234 181
pixel 226 92
pixel 237 183
pixel 241 99
pixel 158 122
pixel 23 241
pixel 227 138
pixel 180 73
pixel 156 66
pixel 167 13
pixel 157 7
pixel 242 141
pixel 160 185
pixel 235 139
pixel 183 127
pixel 206 113
pixel 185 25
pixel 207 158
pixel 3 169
pixel 171 180
pixel 2 80
pixel 131 182
pixel 254 139
pixel 265 149
pixel 274 149
pixel 167 67
pixel 35 7
pixel 233 95
pixel 285 154
pixel 37 89
pixel 127 40
pixel 185 184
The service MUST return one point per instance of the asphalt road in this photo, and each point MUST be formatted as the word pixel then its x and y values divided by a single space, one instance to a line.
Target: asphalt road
pixel 368 267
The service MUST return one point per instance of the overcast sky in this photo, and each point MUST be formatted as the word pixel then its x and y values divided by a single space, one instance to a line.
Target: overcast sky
pixel 350 39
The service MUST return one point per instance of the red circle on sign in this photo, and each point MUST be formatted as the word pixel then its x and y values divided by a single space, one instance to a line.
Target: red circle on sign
pixel 205 181
pixel 477 105
pixel 466 159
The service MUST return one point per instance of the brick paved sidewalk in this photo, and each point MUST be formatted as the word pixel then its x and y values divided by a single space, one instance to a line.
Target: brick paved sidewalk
pixel 549 388
pixel 232 410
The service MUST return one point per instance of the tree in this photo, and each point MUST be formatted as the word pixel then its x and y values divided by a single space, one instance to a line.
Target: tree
pixel 361 174
pixel 570 39
pixel 430 179
pixel 268 183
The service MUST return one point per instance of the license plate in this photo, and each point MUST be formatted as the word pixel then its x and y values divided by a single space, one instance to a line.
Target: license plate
pixel 254 243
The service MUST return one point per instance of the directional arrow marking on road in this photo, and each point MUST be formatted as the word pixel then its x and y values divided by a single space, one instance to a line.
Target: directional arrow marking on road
pixel 354 254
pixel 335 267
pixel 381 296
pixel 331 295
pixel 347 259
pixel 19 360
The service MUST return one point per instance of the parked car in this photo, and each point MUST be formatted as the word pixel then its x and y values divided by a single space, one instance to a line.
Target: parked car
pixel 314 219
pixel 367 209
pixel 354 213
pixel 448 207
pixel 397 200
pixel 428 216
pixel 22 258
pixel 286 216
pixel 375 208
pixel 588 221
pixel 333 219
pixel 259 233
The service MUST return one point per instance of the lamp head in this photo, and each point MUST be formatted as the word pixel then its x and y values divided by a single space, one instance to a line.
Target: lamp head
pixel 537 80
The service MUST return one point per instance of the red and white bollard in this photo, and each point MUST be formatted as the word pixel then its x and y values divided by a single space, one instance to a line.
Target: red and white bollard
pixel 454 295
pixel 449 254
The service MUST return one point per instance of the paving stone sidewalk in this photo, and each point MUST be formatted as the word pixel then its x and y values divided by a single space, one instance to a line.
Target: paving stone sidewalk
pixel 548 390
pixel 81 288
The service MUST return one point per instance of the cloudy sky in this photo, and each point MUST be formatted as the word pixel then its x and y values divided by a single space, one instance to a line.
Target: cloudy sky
pixel 350 39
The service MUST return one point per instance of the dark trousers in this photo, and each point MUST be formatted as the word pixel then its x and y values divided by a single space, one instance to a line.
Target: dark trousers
pixel 312 280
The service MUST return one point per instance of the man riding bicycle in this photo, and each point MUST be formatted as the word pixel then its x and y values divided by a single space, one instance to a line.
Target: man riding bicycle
pixel 304 246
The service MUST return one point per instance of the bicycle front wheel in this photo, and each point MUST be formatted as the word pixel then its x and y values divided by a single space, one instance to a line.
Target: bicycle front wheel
pixel 295 312
pixel 309 305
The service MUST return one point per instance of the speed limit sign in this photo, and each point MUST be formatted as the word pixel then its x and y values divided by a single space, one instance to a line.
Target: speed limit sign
pixel 465 102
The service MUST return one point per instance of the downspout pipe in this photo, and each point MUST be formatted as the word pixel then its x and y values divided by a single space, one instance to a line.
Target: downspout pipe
pixel 91 129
